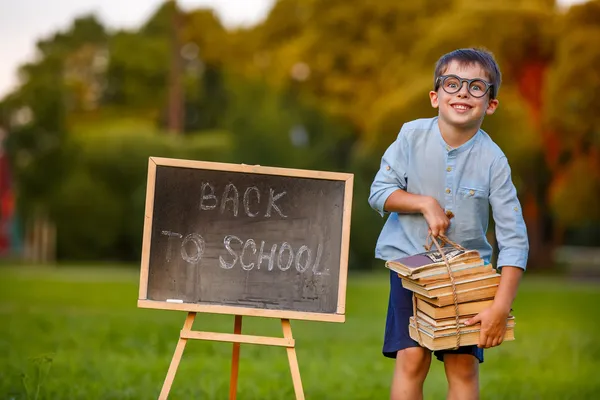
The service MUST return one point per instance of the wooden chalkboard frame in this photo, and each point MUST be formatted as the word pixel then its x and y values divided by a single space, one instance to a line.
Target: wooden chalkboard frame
pixel 338 316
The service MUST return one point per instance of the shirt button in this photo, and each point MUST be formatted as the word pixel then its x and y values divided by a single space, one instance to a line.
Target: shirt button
pixel 448 190
pixel 471 192
pixel 388 167
pixel 449 169
pixel 516 208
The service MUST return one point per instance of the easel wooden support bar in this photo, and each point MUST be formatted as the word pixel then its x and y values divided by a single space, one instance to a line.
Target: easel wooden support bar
pixel 233 338
pixel 236 338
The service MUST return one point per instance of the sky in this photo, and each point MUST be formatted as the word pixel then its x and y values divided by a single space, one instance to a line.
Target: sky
pixel 23 22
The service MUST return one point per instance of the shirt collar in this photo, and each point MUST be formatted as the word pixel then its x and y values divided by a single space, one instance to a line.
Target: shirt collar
pixel 465 146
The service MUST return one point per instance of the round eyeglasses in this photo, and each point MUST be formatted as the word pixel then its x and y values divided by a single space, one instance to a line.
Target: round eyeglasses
pixel 452 84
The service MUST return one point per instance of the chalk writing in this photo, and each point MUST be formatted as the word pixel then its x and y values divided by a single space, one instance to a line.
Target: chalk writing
pixel 230 200
pixel 198 243
pixel 170 243
pixel 249 243
pixel 272 204
pixel 211 196
pixel 261 256
pixel 285 246
pixel 227 242
pixel 231 194
pixel 247 200
pixel 193 245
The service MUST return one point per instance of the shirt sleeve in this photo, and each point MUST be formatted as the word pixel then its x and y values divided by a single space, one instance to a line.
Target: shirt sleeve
pixel 391 175
pixel 511 232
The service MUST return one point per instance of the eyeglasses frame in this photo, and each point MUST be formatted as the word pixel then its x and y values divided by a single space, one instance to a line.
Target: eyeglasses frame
pixel 489 86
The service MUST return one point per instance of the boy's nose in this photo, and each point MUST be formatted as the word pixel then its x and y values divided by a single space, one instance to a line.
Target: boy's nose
pixel 464 89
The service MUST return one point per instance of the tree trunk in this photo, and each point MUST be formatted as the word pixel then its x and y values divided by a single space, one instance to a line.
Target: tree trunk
pixel 40 240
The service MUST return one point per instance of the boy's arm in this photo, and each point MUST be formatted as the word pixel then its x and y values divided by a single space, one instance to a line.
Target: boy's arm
pixel 493 319
pixel 388 190
pixel 511 235
pixel 404 202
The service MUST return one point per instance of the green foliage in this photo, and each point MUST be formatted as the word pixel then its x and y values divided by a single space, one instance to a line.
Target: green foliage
pixel 573 91
pixel 574 196
pixel 99 208
pixel 281 131
pixel 571 98
pixel 149 65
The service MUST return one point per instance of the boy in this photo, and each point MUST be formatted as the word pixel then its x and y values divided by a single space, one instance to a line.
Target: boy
pixel 447 166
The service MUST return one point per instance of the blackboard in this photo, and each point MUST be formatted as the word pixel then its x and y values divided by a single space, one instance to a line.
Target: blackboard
pixel 245 240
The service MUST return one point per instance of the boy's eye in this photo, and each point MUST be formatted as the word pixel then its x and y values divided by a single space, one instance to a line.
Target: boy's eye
pixel 452 83
pixel 477 86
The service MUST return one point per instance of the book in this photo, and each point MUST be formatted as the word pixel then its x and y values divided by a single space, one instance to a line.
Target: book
pixel 439 274
pixel 444 288
pixel 448 325
pixel 444 322
pixel 438 331
pixel 469 308
pixel 408 266
pixel 468 337
pixel 481 293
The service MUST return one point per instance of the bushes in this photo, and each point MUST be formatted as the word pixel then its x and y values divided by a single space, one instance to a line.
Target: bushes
pixel 99 207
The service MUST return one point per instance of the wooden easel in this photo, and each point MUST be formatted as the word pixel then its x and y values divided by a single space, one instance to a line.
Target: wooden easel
pixel 236 338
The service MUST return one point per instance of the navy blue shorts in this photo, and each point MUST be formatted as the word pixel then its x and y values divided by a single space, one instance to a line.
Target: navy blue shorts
pixel 400 309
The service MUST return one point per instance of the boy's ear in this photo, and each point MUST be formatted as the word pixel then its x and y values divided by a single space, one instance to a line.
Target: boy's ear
pixel 492 106
pixel 433 96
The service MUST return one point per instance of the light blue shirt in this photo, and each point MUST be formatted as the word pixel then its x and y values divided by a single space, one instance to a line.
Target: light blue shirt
pixel 466 180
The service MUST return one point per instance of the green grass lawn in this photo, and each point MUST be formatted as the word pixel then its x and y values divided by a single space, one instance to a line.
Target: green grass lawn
pixel 77 334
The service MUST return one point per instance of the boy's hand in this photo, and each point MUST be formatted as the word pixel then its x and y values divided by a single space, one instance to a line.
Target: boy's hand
pixel 493 326
pixel 435 216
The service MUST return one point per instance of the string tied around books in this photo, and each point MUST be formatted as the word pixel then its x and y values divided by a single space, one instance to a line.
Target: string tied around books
pixel 429 242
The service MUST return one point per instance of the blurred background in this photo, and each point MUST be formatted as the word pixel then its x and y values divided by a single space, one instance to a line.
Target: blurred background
pixel 90 89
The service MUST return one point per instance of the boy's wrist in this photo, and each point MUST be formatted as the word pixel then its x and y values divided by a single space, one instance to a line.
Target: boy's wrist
pixel 502 306
pixel 425 203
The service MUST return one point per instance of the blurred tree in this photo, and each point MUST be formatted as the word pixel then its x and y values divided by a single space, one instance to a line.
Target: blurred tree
pixel 205 45
pixel 279 130
pixel 99 206
pixel 50 87
pixel 345 54
pixel 571 101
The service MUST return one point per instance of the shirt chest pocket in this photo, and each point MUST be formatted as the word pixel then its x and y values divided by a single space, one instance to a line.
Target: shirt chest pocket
pixel 472 210
pixel 473 193
pixel 472 200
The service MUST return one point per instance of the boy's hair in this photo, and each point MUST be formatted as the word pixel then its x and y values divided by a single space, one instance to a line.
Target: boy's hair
pixel 471 56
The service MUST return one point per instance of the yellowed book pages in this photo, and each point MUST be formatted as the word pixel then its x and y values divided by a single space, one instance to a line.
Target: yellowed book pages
pixel 442 323
pixel 469 338
pixel 441 272
pixel 470 308
pixel 437 331
pixel 444 289
pixel 472 273
pixel 483 293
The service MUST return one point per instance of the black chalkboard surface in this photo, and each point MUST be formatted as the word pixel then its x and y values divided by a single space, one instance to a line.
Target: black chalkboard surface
pixel 245 240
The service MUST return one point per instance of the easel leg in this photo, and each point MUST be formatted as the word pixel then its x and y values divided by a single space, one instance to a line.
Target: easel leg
pixel 235 359
pixel 187 326
pixel 294 368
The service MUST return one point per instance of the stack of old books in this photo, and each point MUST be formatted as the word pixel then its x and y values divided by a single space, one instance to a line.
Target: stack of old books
pixel 475 285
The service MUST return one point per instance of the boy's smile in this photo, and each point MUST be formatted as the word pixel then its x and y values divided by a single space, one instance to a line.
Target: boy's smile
pixel 462 111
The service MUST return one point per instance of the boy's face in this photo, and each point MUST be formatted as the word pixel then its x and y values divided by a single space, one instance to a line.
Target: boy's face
pixel 461 109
